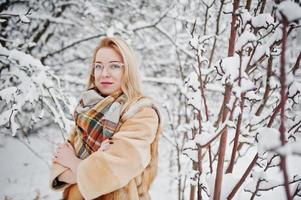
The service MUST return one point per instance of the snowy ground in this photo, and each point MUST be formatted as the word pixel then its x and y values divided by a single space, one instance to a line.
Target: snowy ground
pixel 24 175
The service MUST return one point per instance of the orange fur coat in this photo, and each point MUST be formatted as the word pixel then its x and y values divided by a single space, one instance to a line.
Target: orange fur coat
pixel 126 170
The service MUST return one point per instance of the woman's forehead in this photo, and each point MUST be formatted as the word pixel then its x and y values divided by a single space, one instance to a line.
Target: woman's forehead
pixel 107 54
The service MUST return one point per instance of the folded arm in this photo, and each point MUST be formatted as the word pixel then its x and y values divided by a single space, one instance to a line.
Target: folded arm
pixel 106 171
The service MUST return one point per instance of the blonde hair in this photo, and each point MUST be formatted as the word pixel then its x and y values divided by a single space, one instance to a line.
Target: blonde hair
pixel 130 84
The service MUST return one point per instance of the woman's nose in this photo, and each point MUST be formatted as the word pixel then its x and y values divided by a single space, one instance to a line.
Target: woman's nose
pixel 105 72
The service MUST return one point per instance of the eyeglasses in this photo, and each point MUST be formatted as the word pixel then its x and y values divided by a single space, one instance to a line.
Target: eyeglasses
pixel 111 67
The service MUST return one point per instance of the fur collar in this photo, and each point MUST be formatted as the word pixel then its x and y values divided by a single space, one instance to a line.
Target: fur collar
pixel 144 102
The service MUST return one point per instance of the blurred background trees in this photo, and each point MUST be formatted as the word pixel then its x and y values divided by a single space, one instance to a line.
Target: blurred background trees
pixel 226 74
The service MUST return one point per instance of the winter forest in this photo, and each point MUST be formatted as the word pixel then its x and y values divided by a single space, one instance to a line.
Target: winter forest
pixel 226 75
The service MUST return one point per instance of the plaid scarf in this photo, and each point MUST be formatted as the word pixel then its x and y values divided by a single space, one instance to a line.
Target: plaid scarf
pixel 96 119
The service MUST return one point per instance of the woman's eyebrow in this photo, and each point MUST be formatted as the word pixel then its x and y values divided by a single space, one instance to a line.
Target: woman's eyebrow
pixel 109 61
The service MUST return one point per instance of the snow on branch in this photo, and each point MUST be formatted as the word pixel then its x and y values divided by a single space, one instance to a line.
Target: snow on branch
pixel 289 10
pixel 29 87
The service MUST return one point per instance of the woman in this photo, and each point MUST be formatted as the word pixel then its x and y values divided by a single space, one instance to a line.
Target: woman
pixel 112 150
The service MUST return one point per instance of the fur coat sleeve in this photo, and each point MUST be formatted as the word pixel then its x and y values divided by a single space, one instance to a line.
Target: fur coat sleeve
pixel 105 171
pixel 56 170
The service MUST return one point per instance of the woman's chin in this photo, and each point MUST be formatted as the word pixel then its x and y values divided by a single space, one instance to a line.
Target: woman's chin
pixel 106 91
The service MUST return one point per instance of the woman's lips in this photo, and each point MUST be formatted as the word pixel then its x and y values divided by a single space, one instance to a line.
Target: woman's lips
pixel 105 83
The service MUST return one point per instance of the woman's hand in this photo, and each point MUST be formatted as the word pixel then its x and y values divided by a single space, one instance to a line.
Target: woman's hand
pixel 105 144
pixel 65 155
pixel 68 177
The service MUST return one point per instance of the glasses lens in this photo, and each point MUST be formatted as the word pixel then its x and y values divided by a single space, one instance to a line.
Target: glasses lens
pixel 115 66
pixel 98 66
pixel 110 67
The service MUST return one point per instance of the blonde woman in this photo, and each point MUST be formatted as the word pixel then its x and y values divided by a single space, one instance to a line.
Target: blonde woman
pixel 112 151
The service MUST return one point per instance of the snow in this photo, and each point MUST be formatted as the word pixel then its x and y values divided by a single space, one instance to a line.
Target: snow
pixel 193 81
pixel 8 94
pixel 231 65
pixel 268 138
pixel 14 125
pixel 209 133
pixel 43 78
pixel 193 177
pixel 244 38
pixel 166 80
pixel 4 118
pixel 24 59
pixel 246 84
pixel 229 68
pixel 24 18
pixel 111 31
pixel 31 44
pixel 190 150
pixel 246 16
pixel 163 49
pixel 191 154
pixel 236 112
pixel 273 178
pixel 264 49
pixel 194 42
pixel 193 92
pixel 183 2
pixel 294 87
pixel 42 16
pixel 200 39
pixel 194 99
pixel 229 181
pixel 296 147
pixel 138 24
pixel 262 20
pixel 162 186
pixel 183 128
pixel 215 87
pixel 290 9
pixel 24 175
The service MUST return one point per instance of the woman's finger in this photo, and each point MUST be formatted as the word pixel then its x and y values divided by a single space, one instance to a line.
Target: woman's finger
pixel 105 145
pixel 54 159
pixel 71 147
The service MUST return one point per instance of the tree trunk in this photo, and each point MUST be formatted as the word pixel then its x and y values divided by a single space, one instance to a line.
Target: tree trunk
pixel 228 88
pixel 282 107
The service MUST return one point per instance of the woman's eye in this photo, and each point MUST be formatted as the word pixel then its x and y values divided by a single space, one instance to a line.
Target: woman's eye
pixel 115 66
pixel 98 66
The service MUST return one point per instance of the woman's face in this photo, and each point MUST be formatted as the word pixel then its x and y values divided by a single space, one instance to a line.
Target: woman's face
pixel 108 70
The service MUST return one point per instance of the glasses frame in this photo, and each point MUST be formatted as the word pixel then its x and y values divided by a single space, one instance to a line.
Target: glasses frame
pixel 109 70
